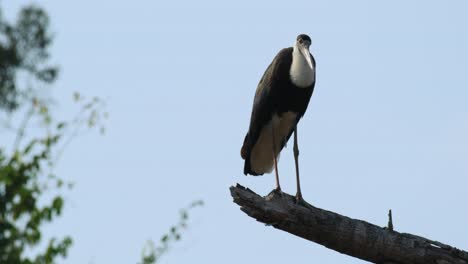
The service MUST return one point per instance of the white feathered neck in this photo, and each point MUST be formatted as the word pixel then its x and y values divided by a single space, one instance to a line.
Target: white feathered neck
pixel 301 73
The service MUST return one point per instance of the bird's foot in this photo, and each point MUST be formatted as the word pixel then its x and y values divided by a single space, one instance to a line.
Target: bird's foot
pixel 278 191
pixel 300 200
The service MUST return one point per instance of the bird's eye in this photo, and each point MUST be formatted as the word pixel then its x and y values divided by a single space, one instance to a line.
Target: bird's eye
pixel 300 40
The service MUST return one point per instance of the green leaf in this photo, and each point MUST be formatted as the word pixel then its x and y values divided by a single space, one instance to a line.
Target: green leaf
pixel 76 96
pixel 184 215
pixel 43 109
pixel 57 205
pixel 30 146
pixel 59 183
pixel 173 229
pixel 47 75
pixel 61 125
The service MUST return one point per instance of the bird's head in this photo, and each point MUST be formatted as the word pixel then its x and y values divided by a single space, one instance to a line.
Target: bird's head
pixel 303 43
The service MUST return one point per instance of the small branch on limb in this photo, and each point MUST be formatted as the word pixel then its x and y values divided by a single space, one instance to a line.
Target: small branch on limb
pixel 390 221
pixel 349 236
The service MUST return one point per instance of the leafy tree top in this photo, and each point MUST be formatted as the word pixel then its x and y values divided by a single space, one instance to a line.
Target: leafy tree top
pixel 24 49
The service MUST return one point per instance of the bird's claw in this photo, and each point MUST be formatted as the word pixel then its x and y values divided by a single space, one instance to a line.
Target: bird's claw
pixel 300 200
pixel 278 191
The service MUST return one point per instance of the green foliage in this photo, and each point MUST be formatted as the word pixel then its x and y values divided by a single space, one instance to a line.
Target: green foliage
pixel 151 253
pixel 26 179
pixel 31 195
pixel 24 50
pixel 21 213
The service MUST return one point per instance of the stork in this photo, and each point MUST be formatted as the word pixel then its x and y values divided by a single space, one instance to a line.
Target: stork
pixel 281 99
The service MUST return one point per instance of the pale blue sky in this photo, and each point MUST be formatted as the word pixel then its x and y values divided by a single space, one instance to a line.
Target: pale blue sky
pixel 387 126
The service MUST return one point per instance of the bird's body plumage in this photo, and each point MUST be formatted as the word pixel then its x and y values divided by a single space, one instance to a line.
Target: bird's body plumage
pixel 281 99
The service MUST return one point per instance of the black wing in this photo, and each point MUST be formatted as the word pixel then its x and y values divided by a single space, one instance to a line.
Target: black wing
pixel 265 101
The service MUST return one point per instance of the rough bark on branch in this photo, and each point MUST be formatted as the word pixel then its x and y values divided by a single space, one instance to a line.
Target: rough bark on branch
pixel 349 236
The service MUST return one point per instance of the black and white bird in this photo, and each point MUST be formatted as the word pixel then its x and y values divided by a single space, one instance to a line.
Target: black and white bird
pixel 281 99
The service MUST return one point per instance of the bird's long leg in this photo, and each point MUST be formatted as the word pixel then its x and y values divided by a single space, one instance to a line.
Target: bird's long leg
pixel 278 187
pixel 296 159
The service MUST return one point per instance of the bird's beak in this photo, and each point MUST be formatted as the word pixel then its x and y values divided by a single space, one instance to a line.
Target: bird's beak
pixel 306 53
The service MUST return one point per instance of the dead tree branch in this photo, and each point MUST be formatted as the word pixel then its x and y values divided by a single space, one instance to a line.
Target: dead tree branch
pixel 349 236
